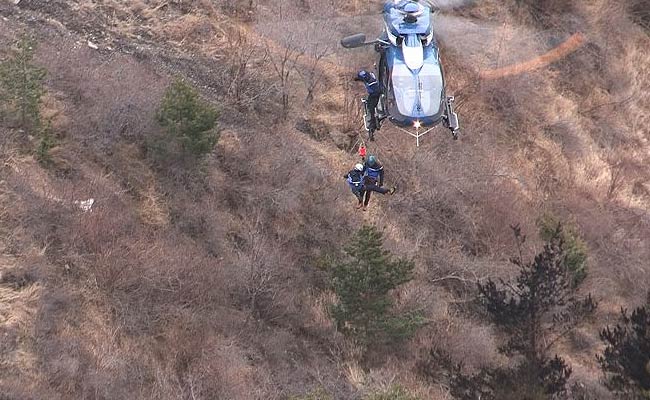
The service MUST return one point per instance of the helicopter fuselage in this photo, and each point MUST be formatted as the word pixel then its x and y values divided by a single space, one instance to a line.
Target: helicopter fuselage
pixel 411 97
pixel 409 68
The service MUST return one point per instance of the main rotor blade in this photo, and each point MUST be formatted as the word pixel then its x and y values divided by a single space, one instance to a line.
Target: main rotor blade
pixel 320 31
pixel 449 5
pixel 489 45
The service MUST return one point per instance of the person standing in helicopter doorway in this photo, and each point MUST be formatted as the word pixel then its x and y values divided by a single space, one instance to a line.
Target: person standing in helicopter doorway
pixel 373 180
pixel 355 181
pixel 374 89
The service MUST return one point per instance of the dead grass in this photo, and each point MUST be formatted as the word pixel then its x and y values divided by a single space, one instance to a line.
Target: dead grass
pixel 205 286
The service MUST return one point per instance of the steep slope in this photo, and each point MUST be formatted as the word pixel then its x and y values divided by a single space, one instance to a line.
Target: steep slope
pixel 182 286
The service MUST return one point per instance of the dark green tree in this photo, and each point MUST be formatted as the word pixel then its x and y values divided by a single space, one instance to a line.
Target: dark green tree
pixel 518 383
pixel 46 143
pixel 626 358
pixel 362 282
pixel 575 249
pixel 540 307
pixel 523 382
pixel 188 120
pixel 21 83
pixel 535 311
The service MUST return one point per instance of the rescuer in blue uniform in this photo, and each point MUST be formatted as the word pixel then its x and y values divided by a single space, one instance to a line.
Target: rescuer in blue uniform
pixel 355 180
pixel 373 180
pixel 374 89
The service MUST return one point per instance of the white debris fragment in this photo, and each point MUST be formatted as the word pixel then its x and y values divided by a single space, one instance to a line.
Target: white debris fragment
pixel 85 205
pixel 92 45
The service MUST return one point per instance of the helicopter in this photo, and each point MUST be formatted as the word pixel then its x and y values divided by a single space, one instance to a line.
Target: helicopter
pixel 410 71
pixel 491 50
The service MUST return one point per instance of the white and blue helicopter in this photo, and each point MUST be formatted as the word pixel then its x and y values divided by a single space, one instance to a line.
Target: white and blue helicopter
pixel 408 62
pixel 410 70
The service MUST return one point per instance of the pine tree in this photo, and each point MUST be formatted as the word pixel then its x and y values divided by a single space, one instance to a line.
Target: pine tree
pixel 45 144
pixel 534 312
pixel 188 120
pixel 22 83
pixel 541 306
pixel 626 358
pixel 574 247
pixel 363 282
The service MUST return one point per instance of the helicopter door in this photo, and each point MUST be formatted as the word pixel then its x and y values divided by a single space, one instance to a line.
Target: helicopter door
pixel 413 52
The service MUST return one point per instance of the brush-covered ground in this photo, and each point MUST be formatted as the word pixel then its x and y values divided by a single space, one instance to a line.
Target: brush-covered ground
pixel 206 285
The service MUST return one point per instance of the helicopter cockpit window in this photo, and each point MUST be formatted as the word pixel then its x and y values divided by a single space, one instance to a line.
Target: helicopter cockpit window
pixel 417 95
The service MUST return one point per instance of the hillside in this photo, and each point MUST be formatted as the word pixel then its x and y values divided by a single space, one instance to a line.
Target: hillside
pixel 208 283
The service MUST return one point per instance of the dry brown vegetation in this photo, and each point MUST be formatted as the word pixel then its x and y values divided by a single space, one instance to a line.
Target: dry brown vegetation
pixel 206 285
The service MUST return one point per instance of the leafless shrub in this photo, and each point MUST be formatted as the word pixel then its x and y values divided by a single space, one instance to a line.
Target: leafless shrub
pixel 190 31
pixel 617 177
pixel 284 61
pixel 260 273
pixel 311 70
pixel 244 80
pixel 111 99
pixel 518 102
pixel 242 9
pixel 640 12
pixel 641 189
pixel 546 12
pixel 593 69
pixel 352 108
pixel 624 173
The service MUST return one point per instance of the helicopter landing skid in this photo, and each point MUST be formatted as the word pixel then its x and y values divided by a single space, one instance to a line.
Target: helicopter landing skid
pixel 366 121
pixel 451 118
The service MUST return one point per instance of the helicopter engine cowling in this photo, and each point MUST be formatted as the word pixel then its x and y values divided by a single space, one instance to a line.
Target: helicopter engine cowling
pixel 413 52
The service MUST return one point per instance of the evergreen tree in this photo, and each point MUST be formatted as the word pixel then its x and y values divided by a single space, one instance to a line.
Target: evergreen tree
pixel 22 83
pixel 541 306
pixel 575 249
pixel 535 311
pixel 363 282
pixel 188 120
pixel 45 144
pixel 626 358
